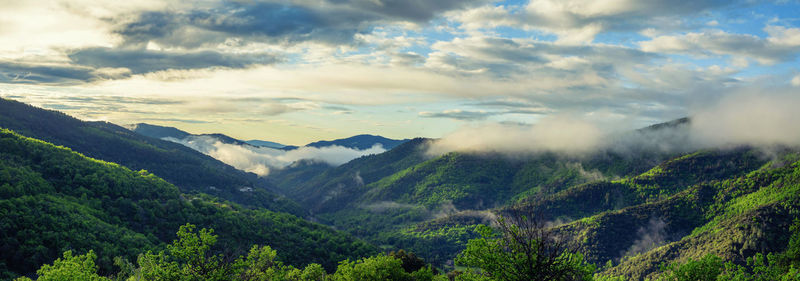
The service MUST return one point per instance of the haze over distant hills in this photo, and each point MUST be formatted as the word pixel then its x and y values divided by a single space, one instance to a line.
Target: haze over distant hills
pixel 261 159
pixel 359 142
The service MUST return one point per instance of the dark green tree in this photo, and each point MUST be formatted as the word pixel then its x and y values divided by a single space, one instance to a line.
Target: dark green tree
pixel 524 249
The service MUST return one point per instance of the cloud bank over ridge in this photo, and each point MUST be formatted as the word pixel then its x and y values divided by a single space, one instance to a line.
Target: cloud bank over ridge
pixel 753 118
pixel 261 160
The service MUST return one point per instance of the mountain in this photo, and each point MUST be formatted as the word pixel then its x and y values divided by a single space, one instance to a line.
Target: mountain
pixel 266 143
pixel 316 185
pixel 646 200
pixel 611 202
pixel 383 197
pixel 731 202
pixel 53 199
pixel 186 168
pixel 360 142
pixel 161 132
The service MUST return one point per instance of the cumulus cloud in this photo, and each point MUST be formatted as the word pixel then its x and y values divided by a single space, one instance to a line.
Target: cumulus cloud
pixel 782 44
pixel 260 160
pixel 331 21
pixel 579 21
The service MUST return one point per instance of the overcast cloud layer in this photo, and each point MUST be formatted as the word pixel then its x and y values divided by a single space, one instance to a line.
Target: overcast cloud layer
pixel 298 71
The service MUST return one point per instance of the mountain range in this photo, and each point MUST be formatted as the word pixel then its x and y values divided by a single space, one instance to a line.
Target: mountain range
pixel 184 167
pixel 647 200
pixel 359 142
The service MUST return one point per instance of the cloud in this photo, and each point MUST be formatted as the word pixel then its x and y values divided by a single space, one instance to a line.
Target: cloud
pixel 469 115
pixel 750 117
pixel 796 81
pixel 458 114
pixel 579 21
pixel 334 21
pixel 756 118
pixel 56 74
pixel 260 160
pixel 559 134
pixel 783 44
pixel 144 61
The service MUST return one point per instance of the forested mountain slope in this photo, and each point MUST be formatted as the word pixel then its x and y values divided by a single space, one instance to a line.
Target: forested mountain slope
pixel 53 199
pixel 317 185
pixel 607 200
pixel 182 166
pixel 729 202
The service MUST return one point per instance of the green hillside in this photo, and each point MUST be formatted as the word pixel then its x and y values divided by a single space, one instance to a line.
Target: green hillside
pixel 319 186
pixel 186 168
pixel 53 199
pixel 383 197
pixel 629 209
pixel 732 203
pixel 608 201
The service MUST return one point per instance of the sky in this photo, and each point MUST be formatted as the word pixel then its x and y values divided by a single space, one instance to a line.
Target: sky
pixel 305 70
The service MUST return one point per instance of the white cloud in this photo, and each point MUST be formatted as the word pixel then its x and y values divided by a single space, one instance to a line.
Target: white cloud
pixel 781 45
pixel 579 21
pixel 260 160
pixel 42 30
pixel 756 118
pixel 559 134
pixel 762 119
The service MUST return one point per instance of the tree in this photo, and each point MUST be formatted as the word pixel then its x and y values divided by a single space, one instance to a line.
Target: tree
pixel 81 267
pixel 410 260
pixel 524 249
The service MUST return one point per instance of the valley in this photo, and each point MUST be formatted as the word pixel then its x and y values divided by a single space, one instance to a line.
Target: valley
pixel 626 211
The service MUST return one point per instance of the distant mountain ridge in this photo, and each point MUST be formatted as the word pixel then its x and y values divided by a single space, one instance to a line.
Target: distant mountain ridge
pixel 264 143
pixel 360 142
pixel 182 166
pixel 159 132
pixel 162 132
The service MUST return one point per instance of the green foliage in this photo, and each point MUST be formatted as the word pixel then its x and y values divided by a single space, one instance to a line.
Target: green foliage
pixel 516 256
pixel 773 266
pixel 53 200
pixel 374 268
pixel 192 257
pixel 184 167
pixel 69 267
pixel 707 268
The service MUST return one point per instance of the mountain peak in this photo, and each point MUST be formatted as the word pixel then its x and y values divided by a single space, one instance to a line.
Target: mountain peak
pixel 361 142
